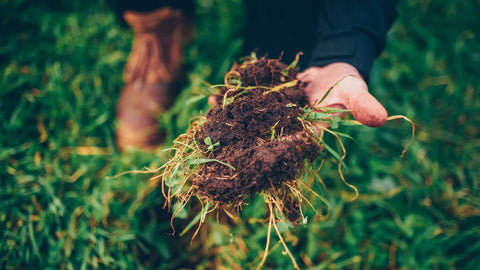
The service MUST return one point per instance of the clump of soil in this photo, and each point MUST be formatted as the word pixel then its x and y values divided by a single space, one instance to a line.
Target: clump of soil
pixel 260 133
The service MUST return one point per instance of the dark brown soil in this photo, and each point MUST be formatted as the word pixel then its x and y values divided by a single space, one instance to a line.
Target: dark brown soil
pixel 244 129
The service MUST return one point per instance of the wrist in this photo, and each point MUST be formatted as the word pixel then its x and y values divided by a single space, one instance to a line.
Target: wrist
pixel 352 46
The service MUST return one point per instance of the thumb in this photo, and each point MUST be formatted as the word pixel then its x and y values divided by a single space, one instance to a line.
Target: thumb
pixel 366 109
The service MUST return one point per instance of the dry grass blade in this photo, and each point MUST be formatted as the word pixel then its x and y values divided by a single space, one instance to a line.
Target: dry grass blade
pixel 271 220
pixel 287 250
pixel 393 117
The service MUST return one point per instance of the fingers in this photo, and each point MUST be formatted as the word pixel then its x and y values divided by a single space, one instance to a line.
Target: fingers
pixel 304 77
pixel 367 110
pixel 349 91
pixel 212 100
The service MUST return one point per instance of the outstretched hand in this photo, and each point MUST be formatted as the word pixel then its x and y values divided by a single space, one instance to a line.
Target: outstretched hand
pixel 349 92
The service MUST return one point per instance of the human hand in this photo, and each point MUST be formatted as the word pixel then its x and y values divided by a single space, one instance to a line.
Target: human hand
pixel 349 92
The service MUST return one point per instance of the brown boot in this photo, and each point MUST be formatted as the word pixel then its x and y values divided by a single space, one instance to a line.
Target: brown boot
pixel 151 75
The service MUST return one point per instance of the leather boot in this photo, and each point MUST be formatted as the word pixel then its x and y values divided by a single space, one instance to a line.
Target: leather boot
pixel 152 76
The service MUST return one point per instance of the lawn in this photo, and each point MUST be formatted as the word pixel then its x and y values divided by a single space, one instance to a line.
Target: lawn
pixel 63 204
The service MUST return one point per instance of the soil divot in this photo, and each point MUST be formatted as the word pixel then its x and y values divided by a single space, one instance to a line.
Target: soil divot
pixel 254 129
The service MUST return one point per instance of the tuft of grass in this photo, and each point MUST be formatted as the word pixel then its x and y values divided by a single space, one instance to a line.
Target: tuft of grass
pixel 177 176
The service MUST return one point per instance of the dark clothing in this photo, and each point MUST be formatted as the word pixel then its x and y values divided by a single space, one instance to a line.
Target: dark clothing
pixel 274 27
pixel 120 6
pixel 326 31
pixel 353 31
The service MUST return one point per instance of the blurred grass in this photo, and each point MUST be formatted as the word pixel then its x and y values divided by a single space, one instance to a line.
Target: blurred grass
pixel 61 73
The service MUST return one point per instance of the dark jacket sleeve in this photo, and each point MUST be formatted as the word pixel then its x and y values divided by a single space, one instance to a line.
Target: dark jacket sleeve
pixel 352 31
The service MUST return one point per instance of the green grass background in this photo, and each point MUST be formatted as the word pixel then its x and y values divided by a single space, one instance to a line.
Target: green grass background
pixel 60 208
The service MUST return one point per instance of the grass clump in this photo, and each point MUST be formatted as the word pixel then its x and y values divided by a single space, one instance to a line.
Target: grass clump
pixel 265 135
